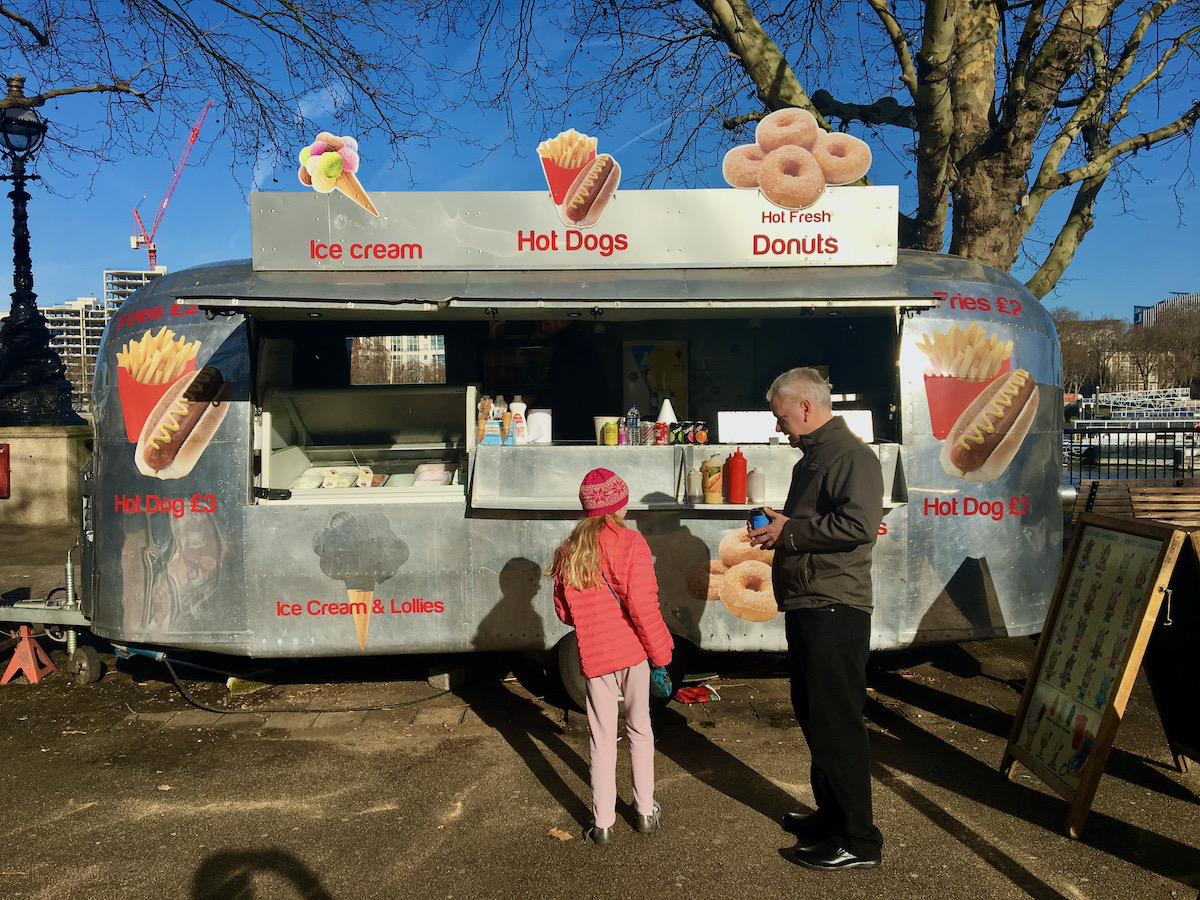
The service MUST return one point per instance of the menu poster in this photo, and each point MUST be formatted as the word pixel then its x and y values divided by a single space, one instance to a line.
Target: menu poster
pixel 1104 607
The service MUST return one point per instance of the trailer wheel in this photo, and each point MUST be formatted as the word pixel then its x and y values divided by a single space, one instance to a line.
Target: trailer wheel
pixel 572 679
pixel 85 665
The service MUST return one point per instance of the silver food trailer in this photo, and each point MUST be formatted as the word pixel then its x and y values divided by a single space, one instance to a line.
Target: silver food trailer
pixel 314 514
pixel 321 516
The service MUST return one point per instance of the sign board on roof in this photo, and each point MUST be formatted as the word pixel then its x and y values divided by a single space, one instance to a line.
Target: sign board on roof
pixel 791 202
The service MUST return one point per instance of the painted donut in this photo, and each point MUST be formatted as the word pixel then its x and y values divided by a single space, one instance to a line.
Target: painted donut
pixel 784 127
pixel 742 165
pixel 736 548
pixel 746 592
pixel 703 580
pixel 843 158
pixel 791 178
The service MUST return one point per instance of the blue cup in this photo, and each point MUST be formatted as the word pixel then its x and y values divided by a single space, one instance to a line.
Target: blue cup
pixel 757 519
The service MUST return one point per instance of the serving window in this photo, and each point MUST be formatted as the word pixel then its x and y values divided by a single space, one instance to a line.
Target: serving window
pixel 406 439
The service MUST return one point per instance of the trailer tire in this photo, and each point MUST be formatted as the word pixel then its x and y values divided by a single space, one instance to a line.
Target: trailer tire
pixel 572 679
pixel 86 666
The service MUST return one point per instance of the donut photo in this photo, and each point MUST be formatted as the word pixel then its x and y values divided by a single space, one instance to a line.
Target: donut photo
pixel 793 160
pixel 747 593
pixel 736 548
pixel 703 580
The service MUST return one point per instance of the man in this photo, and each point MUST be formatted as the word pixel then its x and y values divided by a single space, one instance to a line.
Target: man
pixel 822 581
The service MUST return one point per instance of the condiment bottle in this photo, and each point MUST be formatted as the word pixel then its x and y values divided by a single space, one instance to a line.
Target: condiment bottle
pixel 695 486
pixel 737 477
pixel 756 486
pixel 520 428
pixel 712 480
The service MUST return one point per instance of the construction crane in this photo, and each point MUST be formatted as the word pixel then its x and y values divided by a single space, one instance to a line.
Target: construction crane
pixel 146 239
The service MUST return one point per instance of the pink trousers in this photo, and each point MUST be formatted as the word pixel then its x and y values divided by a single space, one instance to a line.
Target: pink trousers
pixel 602 693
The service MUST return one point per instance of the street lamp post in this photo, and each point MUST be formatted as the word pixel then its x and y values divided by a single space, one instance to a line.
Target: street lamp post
pixel 33 386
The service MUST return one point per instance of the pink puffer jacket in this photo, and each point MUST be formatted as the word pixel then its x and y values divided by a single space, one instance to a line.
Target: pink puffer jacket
pixel 612 638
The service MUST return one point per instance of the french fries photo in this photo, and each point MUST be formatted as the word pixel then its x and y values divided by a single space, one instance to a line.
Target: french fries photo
pixel 568 150
pixel 157 358
pixel 966 353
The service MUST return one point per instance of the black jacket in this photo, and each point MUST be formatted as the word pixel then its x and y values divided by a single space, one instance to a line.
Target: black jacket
pixel 834 508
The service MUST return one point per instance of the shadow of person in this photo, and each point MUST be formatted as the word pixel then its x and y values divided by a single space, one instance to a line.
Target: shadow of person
pixel 524 725
pixel 675 550
pixel 513 622
pixel 230 875
pixel 901 746
pixel 709 763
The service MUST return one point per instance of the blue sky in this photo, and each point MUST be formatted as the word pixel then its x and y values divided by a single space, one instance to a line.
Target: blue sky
pixel 1135 256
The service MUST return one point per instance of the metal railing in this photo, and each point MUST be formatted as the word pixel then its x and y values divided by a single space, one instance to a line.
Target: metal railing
pixel 1160 452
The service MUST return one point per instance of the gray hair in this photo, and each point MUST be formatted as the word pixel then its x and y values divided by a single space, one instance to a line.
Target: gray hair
pixel 803 383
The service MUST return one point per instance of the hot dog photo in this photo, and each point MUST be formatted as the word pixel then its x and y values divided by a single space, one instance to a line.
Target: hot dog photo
pixel 581 182
pixel 980 407
pixel 179 427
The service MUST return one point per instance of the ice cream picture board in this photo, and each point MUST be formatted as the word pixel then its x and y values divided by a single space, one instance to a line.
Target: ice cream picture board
pixel 329 164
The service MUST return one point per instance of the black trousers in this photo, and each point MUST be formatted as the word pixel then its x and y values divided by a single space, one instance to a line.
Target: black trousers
pixel 827 654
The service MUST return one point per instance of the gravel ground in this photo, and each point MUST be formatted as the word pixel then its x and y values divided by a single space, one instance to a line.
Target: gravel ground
pixel 357 779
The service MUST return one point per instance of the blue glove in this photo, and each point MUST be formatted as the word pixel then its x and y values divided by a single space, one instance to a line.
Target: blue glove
pixel 660 683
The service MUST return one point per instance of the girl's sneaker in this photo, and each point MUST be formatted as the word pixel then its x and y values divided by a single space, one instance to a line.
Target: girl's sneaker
pixel 648 824
pixel 601 836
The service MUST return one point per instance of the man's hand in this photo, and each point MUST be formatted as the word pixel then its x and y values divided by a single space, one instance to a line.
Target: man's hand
pixel 767 536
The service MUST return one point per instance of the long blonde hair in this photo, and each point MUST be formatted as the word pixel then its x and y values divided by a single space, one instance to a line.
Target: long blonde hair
pixel 577 559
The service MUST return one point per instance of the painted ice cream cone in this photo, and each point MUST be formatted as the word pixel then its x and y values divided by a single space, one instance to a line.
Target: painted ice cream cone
pixel 362 620
pixel 349 185
pixel 329 164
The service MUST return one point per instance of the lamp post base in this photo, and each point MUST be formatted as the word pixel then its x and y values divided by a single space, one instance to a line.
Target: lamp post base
pixel 48 403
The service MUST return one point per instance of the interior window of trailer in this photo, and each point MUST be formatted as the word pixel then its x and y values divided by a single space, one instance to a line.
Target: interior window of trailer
pixel 398 359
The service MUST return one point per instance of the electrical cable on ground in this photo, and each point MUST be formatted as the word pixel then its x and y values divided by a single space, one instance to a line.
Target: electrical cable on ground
pixel 243 712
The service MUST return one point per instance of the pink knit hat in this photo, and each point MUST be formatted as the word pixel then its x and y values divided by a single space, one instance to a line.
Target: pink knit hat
pixel 603 492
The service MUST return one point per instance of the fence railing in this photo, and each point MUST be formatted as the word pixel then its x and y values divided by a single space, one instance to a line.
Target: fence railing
pixel 1161 452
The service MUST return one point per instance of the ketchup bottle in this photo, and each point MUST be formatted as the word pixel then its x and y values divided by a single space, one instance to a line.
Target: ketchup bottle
pixel 737 477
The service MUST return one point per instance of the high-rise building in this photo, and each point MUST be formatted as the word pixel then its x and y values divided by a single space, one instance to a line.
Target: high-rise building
pixel 120 283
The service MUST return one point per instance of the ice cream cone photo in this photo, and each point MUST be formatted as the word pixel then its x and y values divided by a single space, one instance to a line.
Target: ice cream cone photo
pixel 362 619
pixel 329 163
pixel 349 185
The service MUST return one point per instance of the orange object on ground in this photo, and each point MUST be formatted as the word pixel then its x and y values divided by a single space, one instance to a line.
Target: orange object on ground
pixel 30 658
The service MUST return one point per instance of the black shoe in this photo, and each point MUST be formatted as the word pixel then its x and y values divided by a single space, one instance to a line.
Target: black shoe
pixel 831 856
pixel 807 827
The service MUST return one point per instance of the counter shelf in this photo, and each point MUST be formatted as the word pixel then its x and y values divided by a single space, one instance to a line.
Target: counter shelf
pixel 403 434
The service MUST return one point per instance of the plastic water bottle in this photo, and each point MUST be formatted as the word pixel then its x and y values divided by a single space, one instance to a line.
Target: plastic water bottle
pixel 633 425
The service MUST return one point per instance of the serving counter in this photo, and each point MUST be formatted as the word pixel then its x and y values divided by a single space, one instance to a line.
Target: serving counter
pixel 546 478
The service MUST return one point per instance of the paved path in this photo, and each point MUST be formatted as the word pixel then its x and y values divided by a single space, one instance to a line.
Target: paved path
pixel 124 789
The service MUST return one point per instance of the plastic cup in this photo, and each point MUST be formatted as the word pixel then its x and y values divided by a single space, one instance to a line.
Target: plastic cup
pixel 600 422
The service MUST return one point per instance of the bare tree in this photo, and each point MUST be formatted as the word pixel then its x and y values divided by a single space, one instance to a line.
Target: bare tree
pixel 1005 105
pixel 276 70
pixel 1089 349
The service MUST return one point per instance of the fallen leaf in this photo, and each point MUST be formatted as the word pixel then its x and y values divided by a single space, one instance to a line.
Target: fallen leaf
pixel 560 834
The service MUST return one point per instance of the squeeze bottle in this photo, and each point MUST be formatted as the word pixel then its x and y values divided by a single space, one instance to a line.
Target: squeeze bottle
pixel 756 486
pixel 737 477
pixel 520 428
pixel 712 480
pixel 695 486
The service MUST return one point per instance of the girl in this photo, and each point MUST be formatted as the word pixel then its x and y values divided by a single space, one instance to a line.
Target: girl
pixel 604 586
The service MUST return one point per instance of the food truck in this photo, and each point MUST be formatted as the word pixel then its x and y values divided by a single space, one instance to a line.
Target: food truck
pixel 260 485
